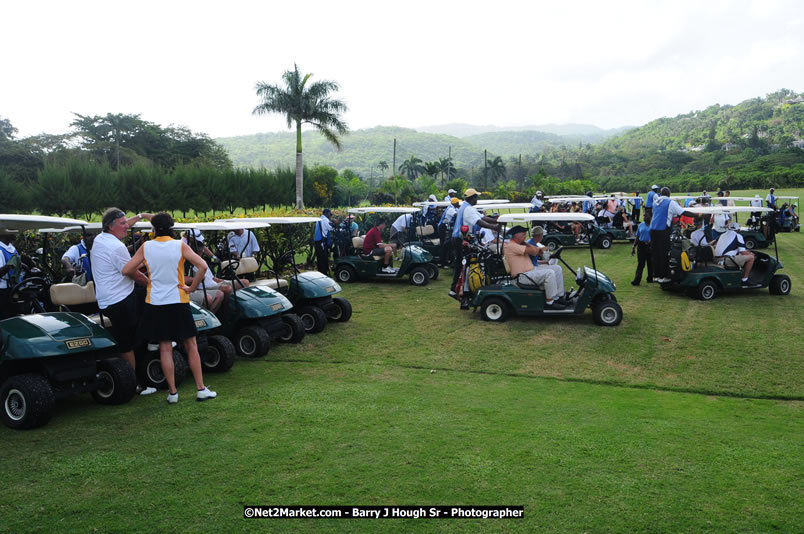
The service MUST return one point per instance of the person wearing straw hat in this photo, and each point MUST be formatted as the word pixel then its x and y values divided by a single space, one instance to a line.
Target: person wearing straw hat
pixel 167 316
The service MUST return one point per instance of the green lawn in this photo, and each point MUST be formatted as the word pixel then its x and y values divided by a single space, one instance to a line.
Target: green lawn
pixel 686 417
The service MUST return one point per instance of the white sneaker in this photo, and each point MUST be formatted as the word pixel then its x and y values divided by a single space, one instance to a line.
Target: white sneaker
pixel 204 394
pixel 173 398
pixel 148 391
pixel 388 270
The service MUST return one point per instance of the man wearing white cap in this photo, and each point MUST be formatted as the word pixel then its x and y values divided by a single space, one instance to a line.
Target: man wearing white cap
pixel 536 203
pixel 730 250
pixel 654 190
pixel 450 195
pixel 428 210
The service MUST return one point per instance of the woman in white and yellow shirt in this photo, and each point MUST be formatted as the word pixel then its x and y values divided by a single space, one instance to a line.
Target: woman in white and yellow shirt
pixel 167 316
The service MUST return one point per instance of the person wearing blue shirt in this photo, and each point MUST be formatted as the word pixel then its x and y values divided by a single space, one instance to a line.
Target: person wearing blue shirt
pixel 770 200
pixel 636 202
pixel 642 249
pixel 76 260
pixel 321 239
pixel 469 216
pixel 654 190
pixel 664 210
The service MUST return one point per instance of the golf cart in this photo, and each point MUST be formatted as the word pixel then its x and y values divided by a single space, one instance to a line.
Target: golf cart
pixel 559 235
pixel 693 269
pixel 310 292
pixel 46 357
pixel 415 260
pixel 788 224
pixel 506 295
pixel 252 316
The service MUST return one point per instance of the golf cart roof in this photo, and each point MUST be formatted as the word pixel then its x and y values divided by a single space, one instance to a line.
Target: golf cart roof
pixel 710 210
pixel 438 204
pixel 36 222
pixel 245 224
pixel 493 201
pixel 275 220
pixel 509 206
pixel 789 198
pixel 545 217
pixel 570 198
pixel 383 209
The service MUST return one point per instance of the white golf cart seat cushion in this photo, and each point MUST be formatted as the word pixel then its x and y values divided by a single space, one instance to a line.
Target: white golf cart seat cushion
pixel 247 265
pixel 70 294
pixel 270 282
pixel 424 231
pixel 507 267
pixel 357 243
pixel 433 242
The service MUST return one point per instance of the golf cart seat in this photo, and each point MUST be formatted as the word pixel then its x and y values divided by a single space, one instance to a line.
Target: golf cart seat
pixel 72 294
pixel 270 282
pixel 246 266
pixel 422 232
pixel 96 318
pixel 357 243
pixel 520 281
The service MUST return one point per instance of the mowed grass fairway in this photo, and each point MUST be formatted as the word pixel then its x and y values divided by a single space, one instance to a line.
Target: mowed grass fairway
pixel 686 417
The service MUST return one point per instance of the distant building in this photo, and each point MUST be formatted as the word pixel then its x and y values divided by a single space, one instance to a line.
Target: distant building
pixel 798 143
pixel 729 146
pixel 698 148
pixel 797 100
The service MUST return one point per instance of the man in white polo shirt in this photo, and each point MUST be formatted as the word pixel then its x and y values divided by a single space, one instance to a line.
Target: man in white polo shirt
pixel 730 250
pixel 115 292
pixel 242 243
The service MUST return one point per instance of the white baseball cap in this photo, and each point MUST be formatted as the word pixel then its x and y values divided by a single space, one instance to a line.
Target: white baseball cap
pixel 452 191
pixel 734 226
pixel 197 235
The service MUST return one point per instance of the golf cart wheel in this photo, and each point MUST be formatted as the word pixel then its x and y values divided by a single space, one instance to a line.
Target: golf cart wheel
pixel 28 401
pixel 252 342
pixel 219 356
pixel 345 274
pixel 313 318
pixel 152 374
pixel 607 313
pixel 707 290
pixel 117 382
pixel 750 243
pixel 341 311
pixel 419 276
pixel 495 310
pixel 433 268
pixel 294 329
pixel 604 242
pixel 780 285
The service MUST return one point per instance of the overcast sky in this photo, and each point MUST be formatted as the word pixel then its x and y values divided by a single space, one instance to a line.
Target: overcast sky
pixel 411 63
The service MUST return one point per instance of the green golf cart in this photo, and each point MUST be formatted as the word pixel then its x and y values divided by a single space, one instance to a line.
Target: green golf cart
pixel 694 270
pixel 45 357
pixel 356 266
pixel 312 293
pixel 507 295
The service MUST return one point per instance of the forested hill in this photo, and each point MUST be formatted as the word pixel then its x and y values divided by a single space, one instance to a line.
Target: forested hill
pixel 775 121
pixel 362 149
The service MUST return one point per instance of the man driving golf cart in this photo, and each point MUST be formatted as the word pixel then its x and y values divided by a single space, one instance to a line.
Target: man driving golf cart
pixel 373 246
pixel 518 255
pixel 730 250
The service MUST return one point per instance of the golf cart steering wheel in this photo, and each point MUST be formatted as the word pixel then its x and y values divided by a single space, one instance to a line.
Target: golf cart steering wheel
pixel 230 271
pixel 27 290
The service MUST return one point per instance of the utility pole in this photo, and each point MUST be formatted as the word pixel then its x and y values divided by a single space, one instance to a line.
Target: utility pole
pixel 393 169
pixel 485 170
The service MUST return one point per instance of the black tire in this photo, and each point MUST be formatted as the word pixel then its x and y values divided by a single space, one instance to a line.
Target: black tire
pixel 28 401
pixel 552 244
pixel 314 319
pixel 419 276
pixel 780 285
pixel 152 375
pixel 750 243
pixel 433 268
pixel 219 355
pixel 604 242
pixel 607 313
pixel 342 311
pixel 117 382
pixel 495 309
pixel 345 274
pixel 294 329
pixel 707 290
pixel 252 342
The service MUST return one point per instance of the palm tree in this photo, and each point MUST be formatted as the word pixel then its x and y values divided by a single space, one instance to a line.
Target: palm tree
pixel 302 104
pixel 432 168
pixel 495 169
pixel 412 167
pixel 383 165
pixel 447 169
